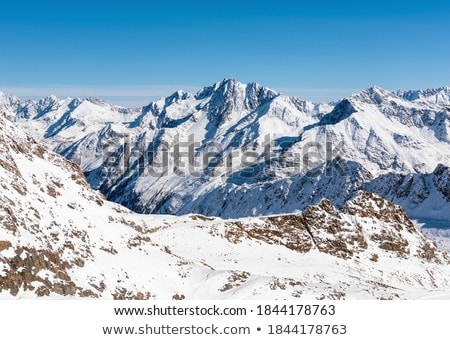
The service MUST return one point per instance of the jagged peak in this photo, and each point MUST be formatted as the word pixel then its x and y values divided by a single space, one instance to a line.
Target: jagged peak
pixel 177 96
pixel 5 96
pixel 226 82
pixel 345 107
pixel 428 90
pixel 440 94
pixel 218 87
pixel 376 88
pixel 50 97
pixel 9 103
pixel 230 86
pixel 48 101
pixel 74 102
pixel 256 87
pixel 373 94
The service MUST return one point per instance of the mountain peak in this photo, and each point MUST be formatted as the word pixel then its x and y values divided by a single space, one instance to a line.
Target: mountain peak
pixel 49 100
pixel 9 103
pixel 227 82
pixel 4 96
pixel 177 96
pixel 376 88
pixel 229 86
pixel 223 87
pixel 373 95
pixel 373 92
pixel 52 97
pixel 230 95
pixel 439 96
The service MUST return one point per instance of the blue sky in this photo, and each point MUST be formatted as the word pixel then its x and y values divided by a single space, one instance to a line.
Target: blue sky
pixel 136 50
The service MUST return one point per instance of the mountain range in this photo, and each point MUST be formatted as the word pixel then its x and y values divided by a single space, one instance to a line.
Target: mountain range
pixel 235 150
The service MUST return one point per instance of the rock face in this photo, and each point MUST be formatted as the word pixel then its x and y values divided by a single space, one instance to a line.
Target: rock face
pixel 422 195
pixel 59 238
pixel 336 181
pixel 398 229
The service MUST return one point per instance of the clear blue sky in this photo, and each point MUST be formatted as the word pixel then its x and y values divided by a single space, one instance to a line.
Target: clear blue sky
pixel 314 49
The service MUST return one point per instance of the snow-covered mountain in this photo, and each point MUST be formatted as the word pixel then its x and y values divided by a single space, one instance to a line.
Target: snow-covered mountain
pixel 385 132
pixel 337 181
pixel 265 152
pixel 58 237
pixel 433 97
pixel 422 195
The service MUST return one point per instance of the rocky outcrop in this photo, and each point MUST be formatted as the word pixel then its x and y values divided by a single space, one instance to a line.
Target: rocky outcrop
pixel 366 224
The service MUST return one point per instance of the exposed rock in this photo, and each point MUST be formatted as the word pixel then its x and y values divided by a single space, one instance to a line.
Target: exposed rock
pixel 331 233
pixel 288 231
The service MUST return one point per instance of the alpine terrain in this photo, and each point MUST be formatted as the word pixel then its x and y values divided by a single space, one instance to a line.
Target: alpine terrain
pixel 237 150
pixel 236 191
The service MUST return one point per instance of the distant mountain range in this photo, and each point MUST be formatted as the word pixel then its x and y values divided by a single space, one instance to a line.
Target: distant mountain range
pixel 395 144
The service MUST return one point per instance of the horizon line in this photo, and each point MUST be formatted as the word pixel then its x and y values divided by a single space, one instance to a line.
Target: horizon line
pixel 141 95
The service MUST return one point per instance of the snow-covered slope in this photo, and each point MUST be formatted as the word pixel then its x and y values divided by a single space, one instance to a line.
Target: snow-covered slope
pixel 58 237
pixel 384 132
pixel 132 158
pixel 336 181
pixel 424 196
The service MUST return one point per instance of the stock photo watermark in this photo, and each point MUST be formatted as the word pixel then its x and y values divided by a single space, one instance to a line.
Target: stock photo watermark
pixel 188 157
